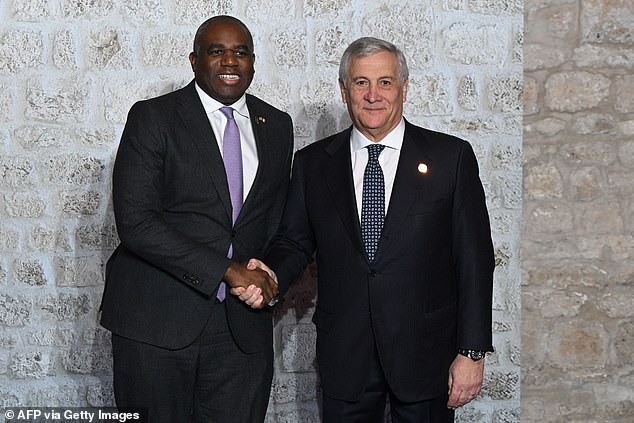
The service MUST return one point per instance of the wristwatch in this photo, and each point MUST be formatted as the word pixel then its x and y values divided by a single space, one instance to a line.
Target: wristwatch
pixel 474 355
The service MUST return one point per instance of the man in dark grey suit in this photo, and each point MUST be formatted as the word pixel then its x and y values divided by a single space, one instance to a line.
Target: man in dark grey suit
pixel 188 211
pixel 397 217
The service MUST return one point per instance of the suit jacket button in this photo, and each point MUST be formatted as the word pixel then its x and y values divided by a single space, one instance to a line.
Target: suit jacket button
pixel 233 234
pixel 372 273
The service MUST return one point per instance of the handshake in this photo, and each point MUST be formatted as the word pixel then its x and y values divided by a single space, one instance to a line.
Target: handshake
pixel 254 283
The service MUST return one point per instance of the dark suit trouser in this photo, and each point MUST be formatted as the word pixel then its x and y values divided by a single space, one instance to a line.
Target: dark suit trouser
pixel 210 380
pixel 371 407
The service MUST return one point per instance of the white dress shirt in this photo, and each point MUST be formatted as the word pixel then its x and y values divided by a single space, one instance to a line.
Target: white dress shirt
pixel 388 159
pixel 218 122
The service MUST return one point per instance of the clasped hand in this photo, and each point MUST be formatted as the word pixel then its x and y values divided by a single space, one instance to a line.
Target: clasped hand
pixel 253 283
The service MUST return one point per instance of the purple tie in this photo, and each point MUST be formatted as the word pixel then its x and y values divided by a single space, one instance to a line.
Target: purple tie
pixel 232 157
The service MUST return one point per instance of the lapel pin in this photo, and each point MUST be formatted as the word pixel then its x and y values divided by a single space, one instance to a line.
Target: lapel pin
pixel 422 168
pixel 261 119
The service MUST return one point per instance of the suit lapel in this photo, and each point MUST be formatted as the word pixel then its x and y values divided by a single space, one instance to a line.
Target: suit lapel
pixel 265 156
pixel 193 114
pixel 407 184
pixel 337 173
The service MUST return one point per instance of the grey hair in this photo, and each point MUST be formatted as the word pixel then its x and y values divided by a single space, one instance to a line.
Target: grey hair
pixel 368 46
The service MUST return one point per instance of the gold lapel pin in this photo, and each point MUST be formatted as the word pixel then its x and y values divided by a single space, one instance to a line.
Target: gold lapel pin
pixel 422 168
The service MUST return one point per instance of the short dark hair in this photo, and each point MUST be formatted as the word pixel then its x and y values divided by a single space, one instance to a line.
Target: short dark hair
pixel 368 46
pixel 220 18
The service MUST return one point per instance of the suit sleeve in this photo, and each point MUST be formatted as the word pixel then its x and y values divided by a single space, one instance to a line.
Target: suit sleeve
pixel 292 248
pixel 139 184
pixel 473 256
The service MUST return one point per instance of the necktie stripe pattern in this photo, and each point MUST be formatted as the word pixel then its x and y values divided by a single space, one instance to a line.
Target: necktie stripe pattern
pixel 232 157
pixel 373 201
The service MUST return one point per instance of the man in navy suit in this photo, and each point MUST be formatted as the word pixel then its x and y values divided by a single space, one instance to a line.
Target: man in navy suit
pixel 182 349
pixel 404 254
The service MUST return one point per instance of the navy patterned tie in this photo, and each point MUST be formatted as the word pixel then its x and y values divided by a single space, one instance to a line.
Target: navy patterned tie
pixel 373 201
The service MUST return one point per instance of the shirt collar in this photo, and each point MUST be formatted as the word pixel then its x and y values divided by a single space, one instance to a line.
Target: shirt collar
pixel 211 105
pixel 394 139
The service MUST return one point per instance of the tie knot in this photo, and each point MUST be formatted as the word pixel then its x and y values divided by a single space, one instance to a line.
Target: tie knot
pixel 227 111
pixel 374 150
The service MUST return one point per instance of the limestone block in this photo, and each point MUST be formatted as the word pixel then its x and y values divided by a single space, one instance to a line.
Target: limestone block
pixel 96 136
pixel 298 347
pixel 572 91
pixel 588 152
pixel 505 93
pixel 7 340
pixel 110 49
pixel 293 387
pixel 475 45
pixel 7 101
pixel 468 93
pixel 20 50
pixel 48 239
pixel 324 8
pixel 387 23
pixel 500 385
pixel 517 54
pixel 24 204
pixel 9 239
pixel 88 359
pixel 66 307
pixel 607 21
pixel 86 8
pixel 586 183
pixel 624 86
pixel 617 302
pixel 594 124
pixel 144 12
pixel 31 10
pixel 601 217
pixel 32 365
pixel 469 414
pixel 277 93
pixel 543 181
pixel 38 137
pixel 14 310
pixel 330 44
pixel 552 217
pixel 298 415
pixel 538 56
pixel 578 344
pixel 56 396
pixel 99 237
pixel 432 94
pixel 167 49
pixel 30 272
pixel 80 203
pixel 601 56
pixel 65 50
pixel 188 11
pixel 78 271
pixel 50 337
pixel 548 127
pixel 59 101
pixel 511 415
pixel 626 154
pixel 290 48
pixel 254 8
pixel 503 7
pixel 74 169
pixel 100 394
pixel 530 96
pixel 506 157
pixel 624 343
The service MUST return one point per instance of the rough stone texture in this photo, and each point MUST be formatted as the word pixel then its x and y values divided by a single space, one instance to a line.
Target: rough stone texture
pixel 577 244
pixel 71 69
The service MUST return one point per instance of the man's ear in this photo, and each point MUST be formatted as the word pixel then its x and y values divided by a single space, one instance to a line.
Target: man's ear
pixel 344 93
pixel 192 60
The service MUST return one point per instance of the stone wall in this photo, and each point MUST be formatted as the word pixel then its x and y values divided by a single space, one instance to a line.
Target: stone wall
pixel 71 69
pixel 578 232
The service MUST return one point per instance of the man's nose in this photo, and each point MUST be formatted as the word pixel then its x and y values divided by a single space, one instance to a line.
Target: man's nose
pixel 228 57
